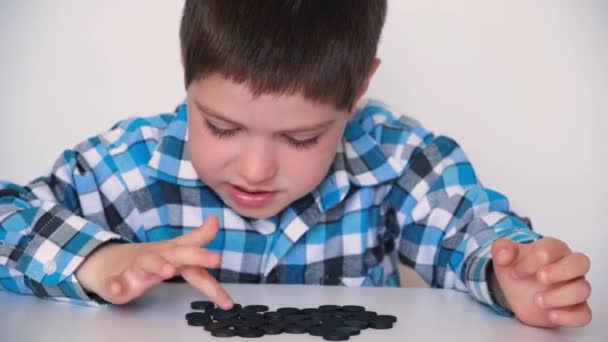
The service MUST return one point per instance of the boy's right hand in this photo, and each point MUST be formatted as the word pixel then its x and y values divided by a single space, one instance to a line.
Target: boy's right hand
pixel 120 272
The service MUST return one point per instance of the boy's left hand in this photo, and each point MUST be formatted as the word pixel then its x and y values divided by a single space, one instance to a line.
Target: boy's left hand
pixel 543 282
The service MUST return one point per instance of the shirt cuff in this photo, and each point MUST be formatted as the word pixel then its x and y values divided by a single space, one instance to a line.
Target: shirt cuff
pixel 478 272
pixel 495 291
pixel 54 252
pixel 68 291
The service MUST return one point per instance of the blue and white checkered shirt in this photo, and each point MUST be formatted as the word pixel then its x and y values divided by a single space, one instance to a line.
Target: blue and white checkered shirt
pixel 394 191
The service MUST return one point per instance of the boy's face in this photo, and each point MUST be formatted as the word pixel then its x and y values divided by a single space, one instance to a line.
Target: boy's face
pixel 259 154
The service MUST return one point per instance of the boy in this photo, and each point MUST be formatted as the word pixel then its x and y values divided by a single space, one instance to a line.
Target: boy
pixel 282 174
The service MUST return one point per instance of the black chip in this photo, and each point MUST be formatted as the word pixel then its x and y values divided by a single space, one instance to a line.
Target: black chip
pixel 342 314
pixel 314 320
pixel 329 308
pixel 234 322
pixel 255 308
pixel 310 311
pixel 336 314
pixel 351 331
pixel 250 333
pixel 335 321
pixel 217 325
pixel 251 315
pixel 288 311
pixel 335 336
pixel 197 315
pixel 358 318
pixel 278 322
pixel 235 308
pixel 295 329
pixel 369 313
pixel 381 324
pixel 175 279
pixel 297 317
pixel 317 330
pixel 356 323
pixel 353 308
pixel 201 305
pixel 328 327
pixel 223 332
pixel 198 323
pixel 273 315
pixel 255 323
pixel 241 325
pixel 271 329
pixel 389 318
pixel 220 315
pixel 307 323
pixel 321 316
pixel 221 312
pixel 367 316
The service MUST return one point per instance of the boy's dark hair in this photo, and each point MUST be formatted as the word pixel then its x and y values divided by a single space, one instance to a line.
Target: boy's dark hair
pixel 321 48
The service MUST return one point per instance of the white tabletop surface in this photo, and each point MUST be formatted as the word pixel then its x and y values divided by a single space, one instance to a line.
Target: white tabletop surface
pixel 423 315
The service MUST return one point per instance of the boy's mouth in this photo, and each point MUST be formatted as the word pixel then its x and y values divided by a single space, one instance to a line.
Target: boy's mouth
pixel 251 191
pixel 250 198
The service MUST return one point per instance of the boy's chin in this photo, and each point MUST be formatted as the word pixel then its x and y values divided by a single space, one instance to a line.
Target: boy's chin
pixel 257 213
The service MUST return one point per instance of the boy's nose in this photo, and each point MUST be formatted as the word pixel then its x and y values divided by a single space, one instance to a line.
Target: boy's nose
pixel 257 164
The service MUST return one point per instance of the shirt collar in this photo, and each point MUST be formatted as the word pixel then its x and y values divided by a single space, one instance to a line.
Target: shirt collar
pixel 359 161
pixel 170 160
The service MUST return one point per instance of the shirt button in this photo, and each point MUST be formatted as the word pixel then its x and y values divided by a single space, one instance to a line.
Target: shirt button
pixel 50 267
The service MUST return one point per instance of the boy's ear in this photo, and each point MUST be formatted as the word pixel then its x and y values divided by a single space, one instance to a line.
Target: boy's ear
pixel 372 70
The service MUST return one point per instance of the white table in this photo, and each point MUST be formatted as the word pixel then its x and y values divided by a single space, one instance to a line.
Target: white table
pixel 423 314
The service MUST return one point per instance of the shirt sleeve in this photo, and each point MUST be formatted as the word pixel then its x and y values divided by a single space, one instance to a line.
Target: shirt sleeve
pixel 43 235
pixel 448 221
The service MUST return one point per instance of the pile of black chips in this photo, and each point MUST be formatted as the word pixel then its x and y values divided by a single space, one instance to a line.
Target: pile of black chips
pixel 332 322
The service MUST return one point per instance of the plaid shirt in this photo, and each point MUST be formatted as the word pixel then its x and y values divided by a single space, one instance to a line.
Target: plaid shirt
pixel 394 192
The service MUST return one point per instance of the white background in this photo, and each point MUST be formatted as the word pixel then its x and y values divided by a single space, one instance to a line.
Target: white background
pixel 522 85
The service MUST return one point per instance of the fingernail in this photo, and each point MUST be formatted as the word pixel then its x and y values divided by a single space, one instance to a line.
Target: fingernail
pixel 540 301
pixel 503 254
pixel 514 275
pixel 543 276
pixel 115 288
pixel 553 316
pixel 228 304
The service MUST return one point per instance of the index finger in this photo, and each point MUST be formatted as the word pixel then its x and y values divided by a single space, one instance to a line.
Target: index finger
pixel 204 282
pixel 200 236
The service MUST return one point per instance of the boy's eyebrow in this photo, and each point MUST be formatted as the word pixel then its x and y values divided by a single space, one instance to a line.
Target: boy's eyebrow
pixel 217 115
pixel 310 128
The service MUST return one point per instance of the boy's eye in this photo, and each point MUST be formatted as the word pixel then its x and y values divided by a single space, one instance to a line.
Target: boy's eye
pixel 224 133
pixel 302 143
pixel 219 132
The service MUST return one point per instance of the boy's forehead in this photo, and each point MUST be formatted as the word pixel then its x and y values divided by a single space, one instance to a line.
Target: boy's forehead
pixel 219 96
